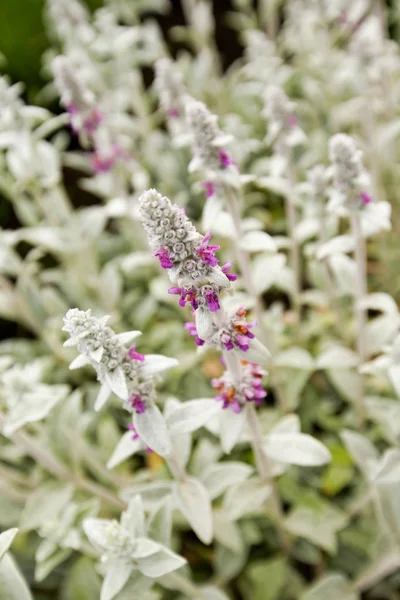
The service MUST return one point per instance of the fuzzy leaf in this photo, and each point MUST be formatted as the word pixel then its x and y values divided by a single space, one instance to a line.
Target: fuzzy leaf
pixel 296 449
pixel 152 429
pixel 6 539
pixel 157 363
pixel 162 562
pixel 192 415
pixel 194 502
pixel 257 241
pixel 218 477
pixel 117 383
pixel 117 574
pixel 125 448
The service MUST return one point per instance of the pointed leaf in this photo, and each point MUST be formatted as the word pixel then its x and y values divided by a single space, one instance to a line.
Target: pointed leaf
pixel 157 363
pixel 125 448
pixel 152 429
pixel 296 449
pixel 6 539
pixel 117 574
pixel 192 415
pixel 161 563
pixel 117 383
pixel 194 502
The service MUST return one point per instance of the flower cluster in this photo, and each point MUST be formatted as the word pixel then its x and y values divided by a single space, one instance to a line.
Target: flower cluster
pixel 236 394
pixel 349 176
pixel 233 333
pixel 187 255
pixel 123 371
pixel 77 99
pixel 207 140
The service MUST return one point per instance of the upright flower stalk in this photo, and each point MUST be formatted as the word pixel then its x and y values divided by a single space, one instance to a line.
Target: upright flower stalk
pixel 200 282
pixel 284 134
pixel 349 192
pixel 222 179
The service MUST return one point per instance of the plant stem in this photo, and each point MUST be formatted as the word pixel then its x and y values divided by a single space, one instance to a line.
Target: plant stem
pixel 264 469
pixel 361 292
pixel 53 466
pixel 290 208
pixel 234 366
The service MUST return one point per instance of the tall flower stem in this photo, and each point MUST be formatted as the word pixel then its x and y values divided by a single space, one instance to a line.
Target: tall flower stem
pixel 290 209
pixel 264 468
pixel 233 365
pixel 361 292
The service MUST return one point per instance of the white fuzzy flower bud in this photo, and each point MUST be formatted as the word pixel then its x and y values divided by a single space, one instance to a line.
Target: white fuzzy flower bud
pixel 206 138
pixel 187 256
pixel 349 176
pixel 169 86
pixel 71 20
pixel 282 122
pixel 101 345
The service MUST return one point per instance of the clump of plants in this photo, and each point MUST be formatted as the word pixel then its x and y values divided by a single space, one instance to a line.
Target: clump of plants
pixel 202 397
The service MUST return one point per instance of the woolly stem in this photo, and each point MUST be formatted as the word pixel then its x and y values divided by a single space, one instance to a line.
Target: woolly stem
pixel 234 367
pixel 360 256
pixel 264 469
pixel 290 208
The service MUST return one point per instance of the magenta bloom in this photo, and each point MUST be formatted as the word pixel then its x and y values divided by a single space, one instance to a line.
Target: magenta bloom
pixel 135 355
pixel 185 296
pixel 173 113
pixel 292 120
pixel 225 159
pixel 212 300
pixel 191 328
pixel 207 252
pixel 91 123
pixel 226 268
pixel 137 403
pixel 164 258
pixel 365 198
pixel 209 188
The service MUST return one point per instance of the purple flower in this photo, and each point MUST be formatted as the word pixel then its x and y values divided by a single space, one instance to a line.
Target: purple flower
pixel 102 164
pixel 186 296
pixel 191 328
pixel 291 120
pixel 91 123
pixel 235 396
pixel 173 113
pixel 212 300
pixel 365 198
pixel 209 188
pixel 137 403
pixel 226 268
pixel 225 159
pixel 206 252
pixel 135 355
pixel 164 258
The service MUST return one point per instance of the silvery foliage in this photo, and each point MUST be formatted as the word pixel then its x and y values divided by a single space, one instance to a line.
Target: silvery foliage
pixel 126 547
pixel 342 76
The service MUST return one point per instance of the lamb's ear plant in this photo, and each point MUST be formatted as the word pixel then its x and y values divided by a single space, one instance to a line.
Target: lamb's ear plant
pixel 245 445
